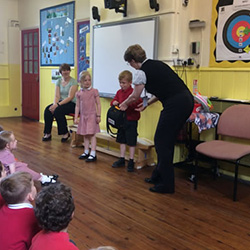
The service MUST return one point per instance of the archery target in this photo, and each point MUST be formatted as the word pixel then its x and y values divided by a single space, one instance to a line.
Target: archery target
pixel 233 34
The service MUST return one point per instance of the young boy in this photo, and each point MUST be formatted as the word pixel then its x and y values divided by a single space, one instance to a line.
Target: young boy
pixel 54 211
pixel 18 222
pixel 128 134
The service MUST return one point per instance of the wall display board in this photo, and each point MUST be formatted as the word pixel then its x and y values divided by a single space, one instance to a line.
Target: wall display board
pixel 233 31
pixel 83 45
pixel 110 41
pixel 57 35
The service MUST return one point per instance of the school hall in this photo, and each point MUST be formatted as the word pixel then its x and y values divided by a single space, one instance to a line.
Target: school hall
pixel 197 38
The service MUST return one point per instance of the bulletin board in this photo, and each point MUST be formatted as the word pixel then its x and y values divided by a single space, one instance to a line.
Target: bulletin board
pixel 230 37
pixel 110 41
pixel 57 35
pixel 83 45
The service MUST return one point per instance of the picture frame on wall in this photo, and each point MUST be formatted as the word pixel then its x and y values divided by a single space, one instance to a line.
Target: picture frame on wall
pixel 83 46
pixel 57 35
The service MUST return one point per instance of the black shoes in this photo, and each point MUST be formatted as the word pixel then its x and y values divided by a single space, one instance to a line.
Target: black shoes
pixel 83 156
pixel 119 163
pixel 150 180
pixel 46 138
pixel 160 188
pixel 65 139
pixel 87 157
pixel 91 158
pixel 130 167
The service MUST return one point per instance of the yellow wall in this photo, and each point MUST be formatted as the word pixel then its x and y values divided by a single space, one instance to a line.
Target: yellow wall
pixel 213 79
pixel 10 94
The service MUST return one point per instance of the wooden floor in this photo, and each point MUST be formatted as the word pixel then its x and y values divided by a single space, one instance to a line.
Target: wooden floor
pixel 115 208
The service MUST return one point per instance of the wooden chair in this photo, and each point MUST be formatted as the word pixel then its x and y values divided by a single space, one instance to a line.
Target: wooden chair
pixel 233 123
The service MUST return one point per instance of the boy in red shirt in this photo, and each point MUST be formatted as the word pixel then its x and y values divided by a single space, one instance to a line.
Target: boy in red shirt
pixel 54 211
pixel 18 222
pixel 128 134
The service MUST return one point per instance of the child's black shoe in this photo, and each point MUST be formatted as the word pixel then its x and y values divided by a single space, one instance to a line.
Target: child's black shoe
pixel 131 164
pixel 119 163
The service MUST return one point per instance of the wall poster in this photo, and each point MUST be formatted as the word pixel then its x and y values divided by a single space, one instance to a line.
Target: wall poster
pixel 232 35
pixel 57 35
pixel 83 46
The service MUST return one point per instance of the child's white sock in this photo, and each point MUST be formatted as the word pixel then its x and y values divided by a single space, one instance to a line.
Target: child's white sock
pixel 92 153
pixel 86 151
pixel 47 178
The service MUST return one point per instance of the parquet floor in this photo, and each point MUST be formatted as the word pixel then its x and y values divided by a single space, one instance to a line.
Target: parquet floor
pixel 115 208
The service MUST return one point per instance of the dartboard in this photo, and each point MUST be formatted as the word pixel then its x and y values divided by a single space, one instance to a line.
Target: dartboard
pixel 236 32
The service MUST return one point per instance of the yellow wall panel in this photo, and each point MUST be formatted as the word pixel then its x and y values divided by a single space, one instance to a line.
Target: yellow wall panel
pixel 10 90
pixel 4 71
pixel 4 93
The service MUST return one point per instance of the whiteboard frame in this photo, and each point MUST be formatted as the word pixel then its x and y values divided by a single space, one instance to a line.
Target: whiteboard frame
pixel 154 55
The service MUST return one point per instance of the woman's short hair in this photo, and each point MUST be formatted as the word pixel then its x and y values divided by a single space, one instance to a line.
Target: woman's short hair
pixel 64 67
pixel 125 74
pixel 54 207
pixel 135 52
pixel 15 187
pixel 5 138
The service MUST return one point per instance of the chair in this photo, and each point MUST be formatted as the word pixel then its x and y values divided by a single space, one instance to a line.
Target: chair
pixel 233 123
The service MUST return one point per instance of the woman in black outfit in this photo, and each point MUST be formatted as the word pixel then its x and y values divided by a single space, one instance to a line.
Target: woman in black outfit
pixel 177 101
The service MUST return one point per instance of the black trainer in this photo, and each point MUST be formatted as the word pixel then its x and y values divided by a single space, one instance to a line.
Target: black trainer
pixel 119 163
pixel 131 164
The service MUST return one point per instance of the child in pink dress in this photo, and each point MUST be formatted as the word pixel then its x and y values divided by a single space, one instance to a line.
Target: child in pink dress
pixel 8 143
pixel 89 106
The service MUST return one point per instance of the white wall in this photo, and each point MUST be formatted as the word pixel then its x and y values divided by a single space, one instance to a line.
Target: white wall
pixel 174 32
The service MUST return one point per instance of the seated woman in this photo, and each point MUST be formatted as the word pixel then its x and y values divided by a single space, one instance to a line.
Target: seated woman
pixel 64 104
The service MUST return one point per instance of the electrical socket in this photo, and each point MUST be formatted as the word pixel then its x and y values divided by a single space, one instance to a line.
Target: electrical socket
pixel 178 62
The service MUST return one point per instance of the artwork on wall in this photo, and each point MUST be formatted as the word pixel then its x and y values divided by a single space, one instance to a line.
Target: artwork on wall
pixel 230 33
pixel 83 46
pixel 233 31
pixel 57 35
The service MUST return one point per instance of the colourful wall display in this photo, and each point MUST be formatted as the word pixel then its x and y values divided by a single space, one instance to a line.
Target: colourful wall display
pixel 57 35
pixel 83 46
pixel 230 37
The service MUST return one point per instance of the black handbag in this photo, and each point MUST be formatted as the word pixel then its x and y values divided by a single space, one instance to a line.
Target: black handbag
pixel 115 119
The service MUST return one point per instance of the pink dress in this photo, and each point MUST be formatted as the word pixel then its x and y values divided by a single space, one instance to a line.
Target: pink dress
pixel 7 158
pixel 86 100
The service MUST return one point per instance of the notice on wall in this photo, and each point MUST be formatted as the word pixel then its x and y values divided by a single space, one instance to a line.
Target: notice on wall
pixel 233 31
pixel 57 35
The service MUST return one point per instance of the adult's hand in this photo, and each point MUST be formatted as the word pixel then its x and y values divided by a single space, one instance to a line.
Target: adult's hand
pixel 123 106
pixel 140 107
pixel 52 108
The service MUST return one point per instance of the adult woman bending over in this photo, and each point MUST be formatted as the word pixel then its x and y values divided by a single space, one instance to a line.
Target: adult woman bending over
pixel 64 104
pixel 177 101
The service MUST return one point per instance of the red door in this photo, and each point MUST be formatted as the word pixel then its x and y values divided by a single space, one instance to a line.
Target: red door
pixel 30 74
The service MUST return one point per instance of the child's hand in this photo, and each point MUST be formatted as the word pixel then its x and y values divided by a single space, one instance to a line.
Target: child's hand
pixel 115 103
pixel 98 119
pixel 76 121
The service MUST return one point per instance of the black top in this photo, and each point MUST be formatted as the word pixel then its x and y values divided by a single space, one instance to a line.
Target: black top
pixel 162 81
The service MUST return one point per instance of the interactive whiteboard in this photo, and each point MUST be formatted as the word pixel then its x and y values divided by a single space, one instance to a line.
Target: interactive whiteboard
pixel 110 41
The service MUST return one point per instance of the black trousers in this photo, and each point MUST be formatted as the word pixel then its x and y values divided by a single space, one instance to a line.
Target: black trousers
pixel 175 112
pixel 59 115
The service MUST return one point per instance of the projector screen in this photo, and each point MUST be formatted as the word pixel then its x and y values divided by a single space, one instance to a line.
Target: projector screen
pixel 110 41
